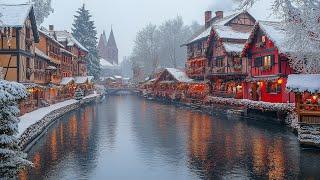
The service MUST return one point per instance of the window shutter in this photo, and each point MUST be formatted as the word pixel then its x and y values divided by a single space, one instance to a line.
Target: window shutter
pixel 272 60
pixel 258 62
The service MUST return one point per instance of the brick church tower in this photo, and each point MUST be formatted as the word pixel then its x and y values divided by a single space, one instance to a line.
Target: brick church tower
pixel 108 50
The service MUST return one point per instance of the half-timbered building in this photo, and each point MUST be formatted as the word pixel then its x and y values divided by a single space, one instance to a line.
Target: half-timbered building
pixel 18 37
pixel 267 50
pixel 227 69
pixel 197 45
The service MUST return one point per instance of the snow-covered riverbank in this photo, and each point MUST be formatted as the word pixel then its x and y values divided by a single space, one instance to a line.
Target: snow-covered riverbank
pixel 34 123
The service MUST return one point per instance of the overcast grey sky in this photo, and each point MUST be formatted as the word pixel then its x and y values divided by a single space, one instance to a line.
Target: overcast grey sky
pixel 129 16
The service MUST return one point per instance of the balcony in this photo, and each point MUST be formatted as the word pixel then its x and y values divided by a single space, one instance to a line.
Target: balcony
pixel 196 72
pixel 216 70
pixel 55 58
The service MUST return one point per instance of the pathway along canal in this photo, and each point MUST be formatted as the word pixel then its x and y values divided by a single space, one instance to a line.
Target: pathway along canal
pixel 127 137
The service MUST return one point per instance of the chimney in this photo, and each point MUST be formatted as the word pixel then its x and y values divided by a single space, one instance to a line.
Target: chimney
pixel 207 18
pixel 51 27
pixel 219 14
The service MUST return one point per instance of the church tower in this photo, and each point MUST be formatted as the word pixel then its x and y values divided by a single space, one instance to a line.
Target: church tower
pixel 102 46
pixel 108 50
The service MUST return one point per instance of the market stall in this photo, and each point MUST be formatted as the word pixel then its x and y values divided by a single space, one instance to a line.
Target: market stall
pixel 307 92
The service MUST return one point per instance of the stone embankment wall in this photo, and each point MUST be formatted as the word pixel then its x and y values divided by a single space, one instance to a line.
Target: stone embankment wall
pixel 309 135
pixel 32 133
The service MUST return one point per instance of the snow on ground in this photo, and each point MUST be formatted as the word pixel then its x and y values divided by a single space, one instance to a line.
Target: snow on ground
pixel 31 118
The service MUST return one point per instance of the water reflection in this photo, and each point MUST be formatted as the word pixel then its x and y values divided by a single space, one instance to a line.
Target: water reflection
pixel 127 137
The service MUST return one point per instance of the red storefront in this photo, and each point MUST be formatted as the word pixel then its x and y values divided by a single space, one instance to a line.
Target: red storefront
pixel 266 48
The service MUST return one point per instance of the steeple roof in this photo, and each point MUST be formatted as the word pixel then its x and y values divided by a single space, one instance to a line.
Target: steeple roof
pixel 103 40
pixel 111 41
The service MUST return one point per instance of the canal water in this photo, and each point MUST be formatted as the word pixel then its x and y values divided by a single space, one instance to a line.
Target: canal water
pixel 127 137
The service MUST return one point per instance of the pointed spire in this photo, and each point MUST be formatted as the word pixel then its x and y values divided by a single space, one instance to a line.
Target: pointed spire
pixel 111 41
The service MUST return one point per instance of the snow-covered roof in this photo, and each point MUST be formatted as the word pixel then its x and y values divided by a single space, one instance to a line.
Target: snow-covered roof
pixel 41 54
pixel 66 51
pixel 66 80
pixel 33 85
pixel 304 83
pixel 233 47
pixel 45 32
pixel 276 32
pixel 230 33
pixel 220 22
pixel 112 78
pixel 51 68
pixel 179 75
pixel 14 15
pixel 83 79
pixel 104 62
pixel 118 77
pixel 228 18
pixel 80 79
pixel 151 81
pixel 65 36
pixel 202 35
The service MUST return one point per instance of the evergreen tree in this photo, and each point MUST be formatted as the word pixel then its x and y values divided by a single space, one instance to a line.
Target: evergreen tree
pixel 85 32
pixel 11 158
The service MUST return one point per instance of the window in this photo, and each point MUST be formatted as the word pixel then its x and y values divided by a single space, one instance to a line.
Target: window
pixel 273 87
pixel 265 61
pixel 219 62
pixel 199 46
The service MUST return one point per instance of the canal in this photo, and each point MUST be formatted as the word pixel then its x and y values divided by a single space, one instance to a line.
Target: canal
pixel 127 137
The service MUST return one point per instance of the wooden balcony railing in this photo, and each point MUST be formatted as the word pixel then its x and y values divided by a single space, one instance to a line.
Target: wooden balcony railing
pixel 216 70
pixel 309 113
pixel 55 58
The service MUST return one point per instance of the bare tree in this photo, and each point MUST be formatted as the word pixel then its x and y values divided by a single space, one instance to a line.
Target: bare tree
pixel 173 33
pixel 146 48
pixel 159 47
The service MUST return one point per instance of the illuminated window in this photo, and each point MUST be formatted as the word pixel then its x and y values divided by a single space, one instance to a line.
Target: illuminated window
pixel 273 87
pixel 267 61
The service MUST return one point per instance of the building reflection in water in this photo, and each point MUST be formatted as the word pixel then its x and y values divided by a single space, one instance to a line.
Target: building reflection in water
pixel 68 138
pixel 167 140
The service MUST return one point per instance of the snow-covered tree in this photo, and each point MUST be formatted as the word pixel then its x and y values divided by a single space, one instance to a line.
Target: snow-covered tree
pixel 12 159
pixel 301 19
pixel 85 32
pixel 78 94
pixel 42 9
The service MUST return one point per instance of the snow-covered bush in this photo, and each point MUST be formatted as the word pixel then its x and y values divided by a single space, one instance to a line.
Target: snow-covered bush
pixel 12 159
